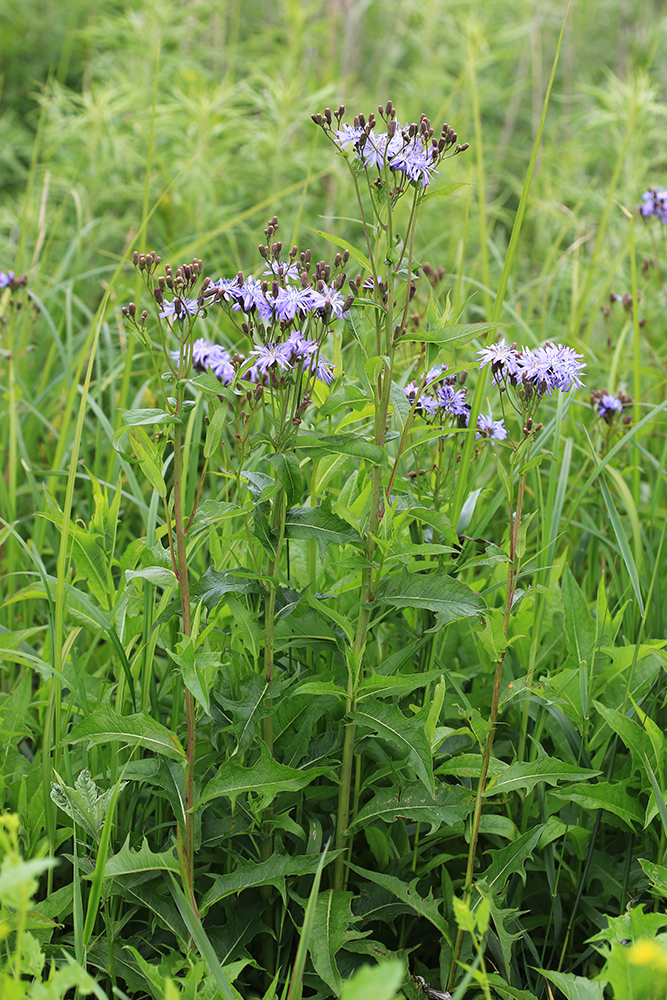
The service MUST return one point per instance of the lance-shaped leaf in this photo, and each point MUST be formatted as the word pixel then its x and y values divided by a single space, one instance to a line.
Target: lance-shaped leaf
pixel 450 804
pixel 128 862
pixel 105 726
pixel 448 598
pixel 264 779
pixel 212 587
pixel 288 472
pixel 407 734
pixel 527 774
pixel 331 931
pixel 273 871
pixel 321 525
pixel 615 798
pixel 511 859
pixel 454 333
pixel 317 445
pixel 425 906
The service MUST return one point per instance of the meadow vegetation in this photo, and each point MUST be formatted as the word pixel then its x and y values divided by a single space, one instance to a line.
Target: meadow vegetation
pixel 332 549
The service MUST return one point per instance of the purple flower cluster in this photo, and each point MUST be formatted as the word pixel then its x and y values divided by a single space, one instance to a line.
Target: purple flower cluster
pixel 544 369
pixel 402 152
pixel 6 278
pixel 269 303
pixel 654 202
pixel 608 406
pixel 447 400
pixel 294 353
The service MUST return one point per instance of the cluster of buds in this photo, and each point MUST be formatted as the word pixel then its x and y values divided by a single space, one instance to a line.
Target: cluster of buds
pixel 147 262
pixel 13 281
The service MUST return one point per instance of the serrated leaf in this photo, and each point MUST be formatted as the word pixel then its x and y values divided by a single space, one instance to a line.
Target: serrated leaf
pixel 526 775
pixel 105 726
pixel 448 598
pixel 263 779
pixel 426 907
pixel 501 917
pixel 657 874
pixel 382 685
pixel 330 932
pixel 615 798
pixel 505 991
pixel 129 862
pixel 375 982
pixel 511 859
pixel 450 804
pixel 407 734
pixel 273 871
pixel 319 524
pixel 574 987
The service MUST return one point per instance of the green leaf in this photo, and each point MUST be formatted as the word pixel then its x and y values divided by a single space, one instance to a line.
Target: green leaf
pixel 288 472
pixel 160 576
pixel 455 333
pixel 502 917
pixel 425 906
pixel 194 663
pixel 574 987
pixel 128 862
pixel 319 524
pixel 579 626
pixel 105 726
pixel 263 779
pixel 262 529
pixel 657 874
pixel 331 931
pixel 622 542
pixel 383 685
pixel 250 874
pixel 148 457
pixel 213 586
pixel 318 445
pixel 444 192
pixel 448 598
pixel 211 511
pixel 407 734
pixel 375 982
pixel 603 795
pixel 356 254
pixel 450 805
pixel 528 774
pixel 511 859
pixel 146 417
pixel 214 429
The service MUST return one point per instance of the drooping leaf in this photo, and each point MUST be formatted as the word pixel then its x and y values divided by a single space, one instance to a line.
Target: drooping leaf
pixel 615 798
pixel 657 874
pixel 448 598
pixel 425 906
pixel 140 730
pixel 319 524
pixel 263 779
pixel 273 871
pixel 453 333
pixel 450 804
pixel 574 987
pixel 212 587
pixel 527 774
pixel 407 734
pixel 317 445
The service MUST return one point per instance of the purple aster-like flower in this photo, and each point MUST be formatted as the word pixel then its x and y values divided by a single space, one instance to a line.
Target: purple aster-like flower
pixel 300 348
pixel 220 363
pixel 329 300
pixel 229 289
pixel 551 367
pixel 200 352
pixel 290 272
pixel 434 374
pixel 654 202
pixel 324 371
pixel 292 301
pixel 374 150
pixel 349 134
pixel 414 160
pixel 180 308
pixel 252 298
pixel 6 278
pixel 489 428
pixel 410 391
pixel 452 401
pixel 608 406
pixel 502 357
pixel 272 355
pixel 427 405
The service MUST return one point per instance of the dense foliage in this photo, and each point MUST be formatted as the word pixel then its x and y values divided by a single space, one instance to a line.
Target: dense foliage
pixel 332 619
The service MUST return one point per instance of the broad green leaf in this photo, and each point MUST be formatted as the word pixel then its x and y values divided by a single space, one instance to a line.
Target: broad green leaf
pixel 146 417
pixel 450 805
pixel 212 587
pixel 425 906
pixel 194 664
pixel 317 445
pixel 502 918
pixel 574 987
pixel 160 576
pixel 128 862
pixel 505 991
pixel 273 871
pixel 260 485
pixel 105 726
pixel 469 765
pixel 382 685
pixel 657 874
pixel 262 529
pixel 635 737
pixel 511 859
pixel 319 524
pixel 214 429
pixel 528 774
pixel 331 931
pixel 375 982
pixel 448 598
pixel 263 779
pixel 407 734
pixel 288 472
pixel 148 457
pixel 615 798
pixel 211 511
pixel 633 925
pixel 444 192
pixel 579 626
